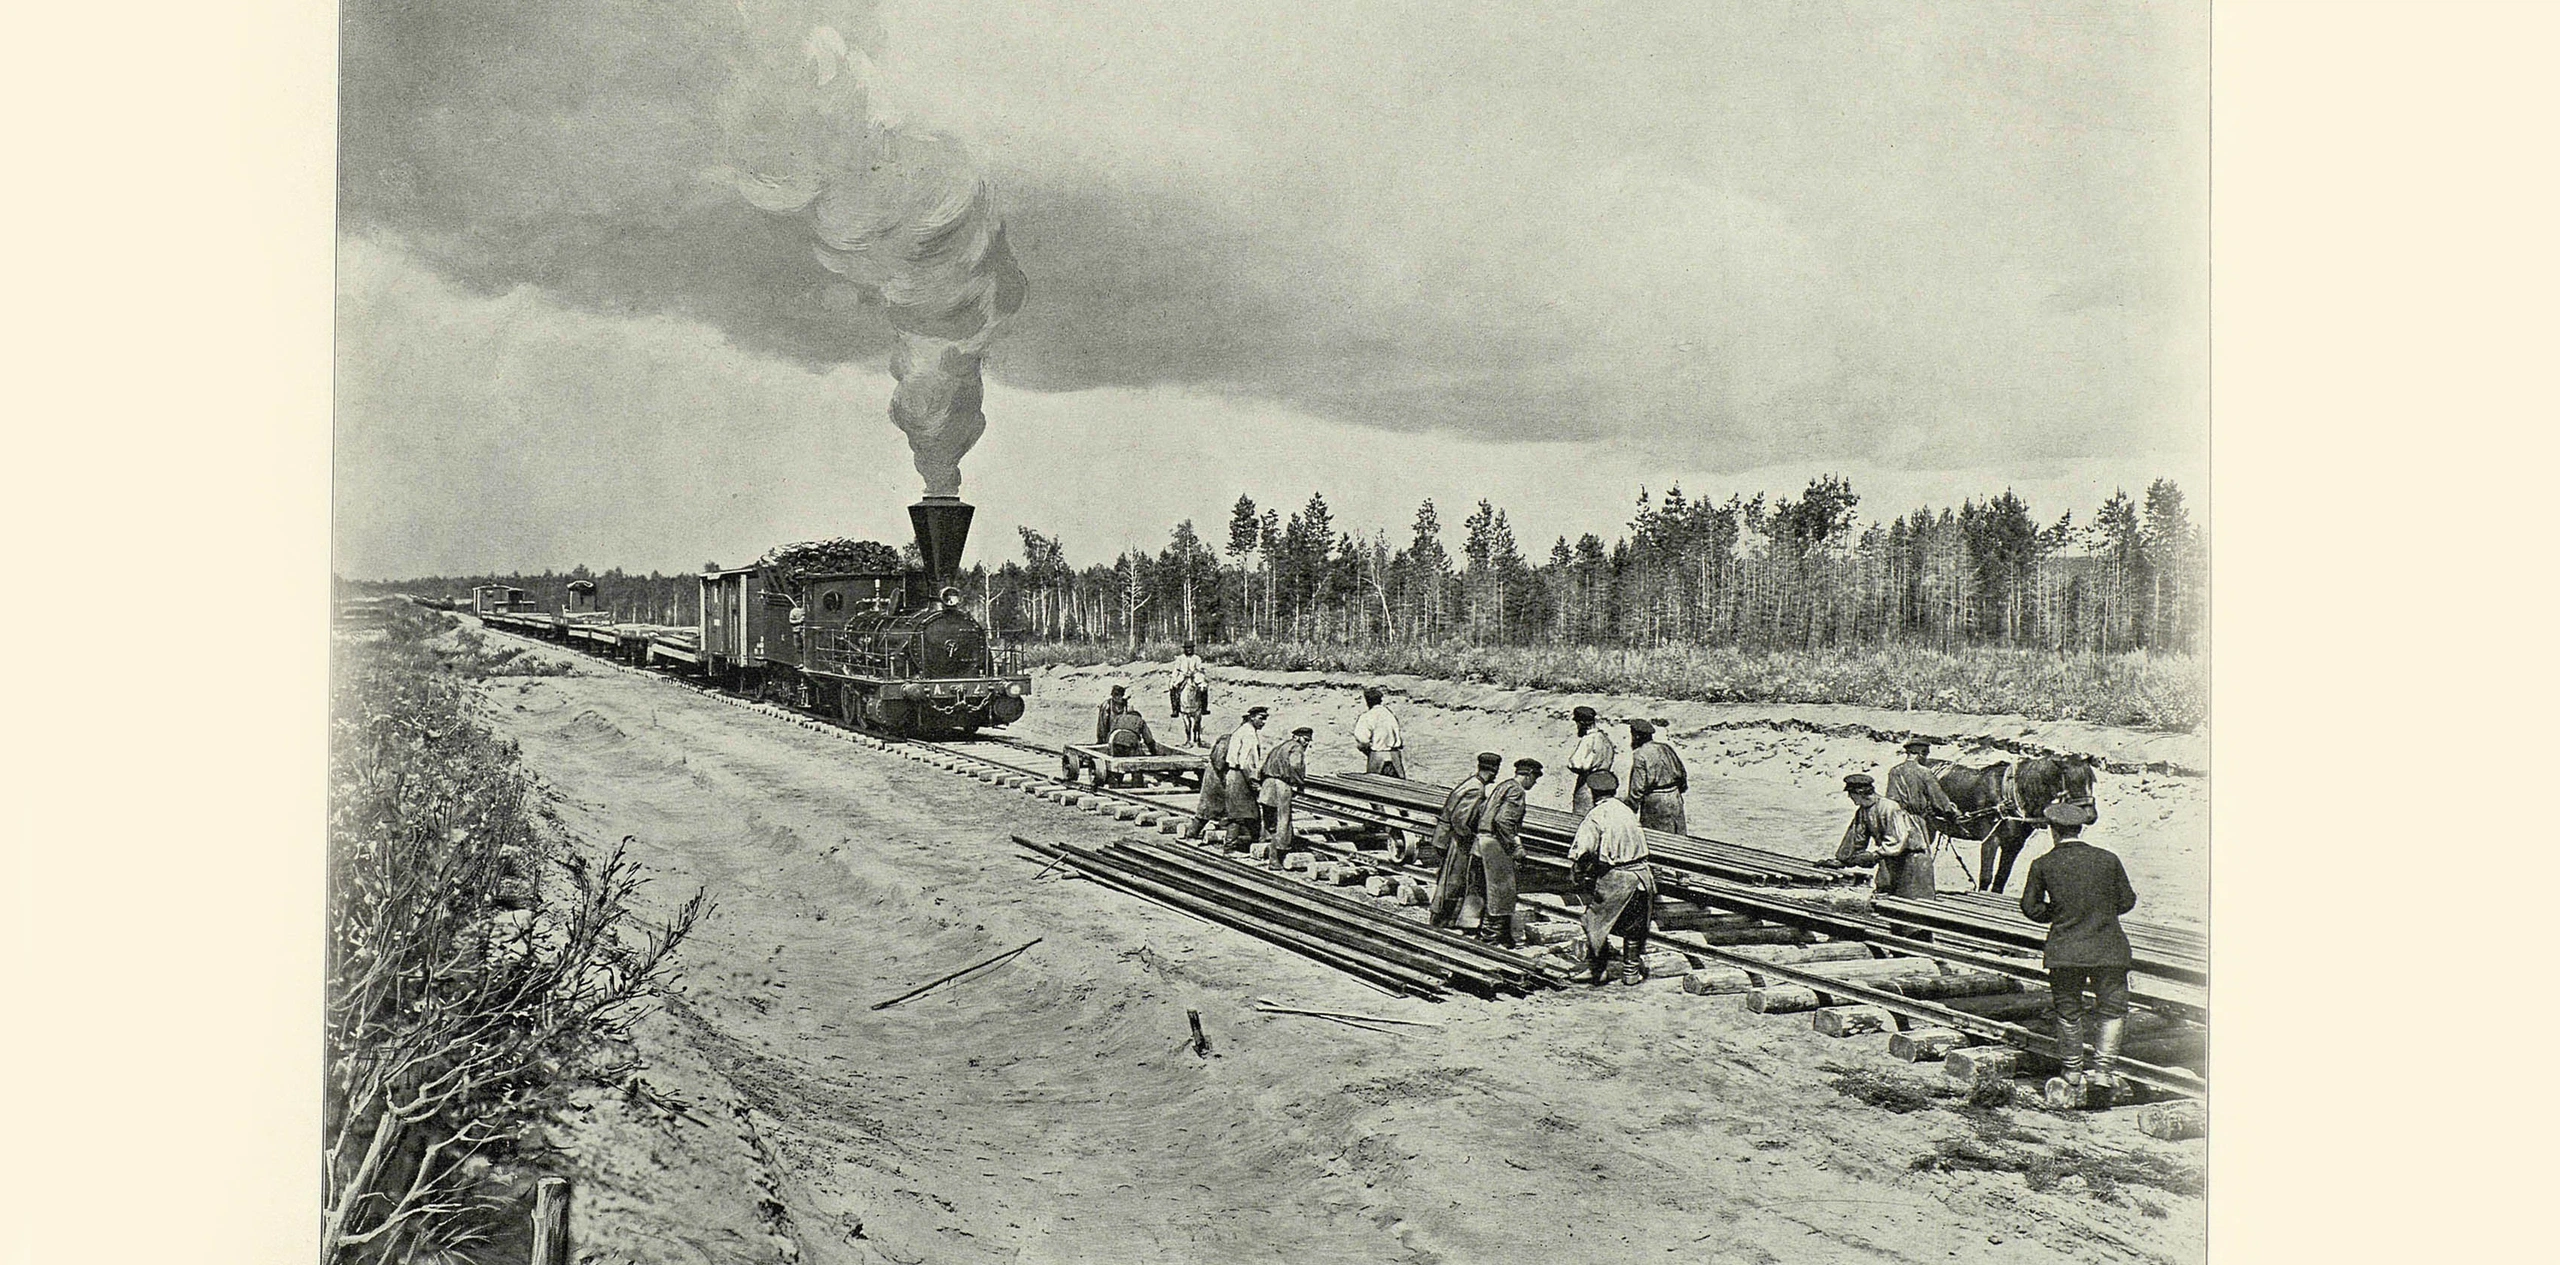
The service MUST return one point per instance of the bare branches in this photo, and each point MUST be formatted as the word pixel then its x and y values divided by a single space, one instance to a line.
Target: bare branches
pixel 476 964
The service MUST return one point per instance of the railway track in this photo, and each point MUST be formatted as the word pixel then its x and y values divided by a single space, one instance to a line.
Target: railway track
pixel 1954 979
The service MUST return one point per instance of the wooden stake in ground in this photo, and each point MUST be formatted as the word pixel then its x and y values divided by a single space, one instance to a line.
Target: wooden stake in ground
pixel 1199 1039
pixel 921 989
pixel 551 1221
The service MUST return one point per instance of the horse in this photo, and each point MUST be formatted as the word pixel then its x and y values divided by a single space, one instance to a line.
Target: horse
pixel 2003 804
pixel 1191 703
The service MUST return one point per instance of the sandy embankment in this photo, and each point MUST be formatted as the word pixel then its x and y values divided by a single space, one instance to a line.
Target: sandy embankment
pixel 1048 1110
pixel 1764 775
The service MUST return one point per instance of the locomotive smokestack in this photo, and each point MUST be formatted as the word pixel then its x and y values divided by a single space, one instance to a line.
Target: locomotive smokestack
pixel 942 528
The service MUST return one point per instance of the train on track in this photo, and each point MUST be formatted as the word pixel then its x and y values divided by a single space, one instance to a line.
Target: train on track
pixel 883 646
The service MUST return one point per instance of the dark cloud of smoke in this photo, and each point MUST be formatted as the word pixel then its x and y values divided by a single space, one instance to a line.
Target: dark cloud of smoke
pixel 714 160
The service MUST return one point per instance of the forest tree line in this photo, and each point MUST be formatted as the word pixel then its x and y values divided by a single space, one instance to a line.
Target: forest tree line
pixel 1796 573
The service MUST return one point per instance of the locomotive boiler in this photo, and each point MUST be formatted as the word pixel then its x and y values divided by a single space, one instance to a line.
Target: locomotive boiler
pixel 851 632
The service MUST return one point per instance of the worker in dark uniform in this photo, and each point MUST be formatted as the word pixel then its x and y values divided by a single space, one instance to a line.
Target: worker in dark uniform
pixel 1881 834
pixel 2079 890
pixel 1613 869
pixel 1130 735
pixel 1497 867
pixel 1284 774
pixel 1914 785
pixel 1461 819
pixel 1111 707
pixel 1213 792
pixel 1656 781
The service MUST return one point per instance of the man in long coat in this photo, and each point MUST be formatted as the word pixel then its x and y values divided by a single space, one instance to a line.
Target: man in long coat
pixel 1461 818
pixel 1881 834
pixel 2079 891
pixel 1213 791
pixel 1914 785
pixel 1284 774
pixel 1613 869
pixel 1497 867
pixel 1245 754
pixel 1657 783
pixel 1592 753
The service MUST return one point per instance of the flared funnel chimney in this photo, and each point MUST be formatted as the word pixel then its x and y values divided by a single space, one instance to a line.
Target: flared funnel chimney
pixel 942 528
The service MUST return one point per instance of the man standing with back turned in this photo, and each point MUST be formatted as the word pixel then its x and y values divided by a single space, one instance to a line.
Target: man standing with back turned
pixel 1613 869
pixel 1592 753
pixel 2079 891
pixel 1657 784
pixel 1379 736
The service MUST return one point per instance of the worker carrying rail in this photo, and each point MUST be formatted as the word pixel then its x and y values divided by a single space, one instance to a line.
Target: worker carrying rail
pixel 1613 869
pixel 2079 890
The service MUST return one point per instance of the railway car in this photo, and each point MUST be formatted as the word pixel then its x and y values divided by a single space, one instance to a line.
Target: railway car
pixel 882 647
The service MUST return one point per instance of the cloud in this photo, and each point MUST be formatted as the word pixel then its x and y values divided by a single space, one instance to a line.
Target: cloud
pixel 1717 237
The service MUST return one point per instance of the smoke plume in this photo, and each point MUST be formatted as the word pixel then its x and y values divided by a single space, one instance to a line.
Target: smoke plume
pixel 905 218
pixel 687 157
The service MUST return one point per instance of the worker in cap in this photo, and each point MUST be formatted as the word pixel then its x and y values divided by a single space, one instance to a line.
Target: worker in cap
pixel 1378 735
pixel 1103 723
pixel 1592 753
pixel 1885 836
pixel 1130 735
pixel 2079 891
pixel 1461 822
pixel 1914 785
pixel 1284 774
pixel 1657 783
pixel 1493 882
pixel 1612 867
pixel 1246 751
pixel 1213 791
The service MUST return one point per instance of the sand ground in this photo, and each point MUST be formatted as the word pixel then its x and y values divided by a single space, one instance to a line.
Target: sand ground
pixel 1049 1110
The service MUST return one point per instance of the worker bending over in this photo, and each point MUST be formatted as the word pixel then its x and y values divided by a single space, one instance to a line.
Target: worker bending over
pixel 1613 870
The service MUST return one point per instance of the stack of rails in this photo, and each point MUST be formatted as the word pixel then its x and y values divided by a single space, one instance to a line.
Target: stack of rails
pixel 2164 952
pixel 1546 830
pixel 1351 936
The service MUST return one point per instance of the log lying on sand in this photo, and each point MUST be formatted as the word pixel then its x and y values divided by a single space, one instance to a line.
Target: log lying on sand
pixel 2172 1121
pixel 1974 1064
pixel 1797 954
pixel 1924 1045
pixel 1850 1021
pixel 1715 981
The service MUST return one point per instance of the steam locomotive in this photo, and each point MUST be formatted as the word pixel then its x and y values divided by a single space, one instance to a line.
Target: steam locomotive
pixel 878 645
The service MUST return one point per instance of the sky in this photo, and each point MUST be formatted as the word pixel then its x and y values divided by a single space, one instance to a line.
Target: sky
pixel 1382 250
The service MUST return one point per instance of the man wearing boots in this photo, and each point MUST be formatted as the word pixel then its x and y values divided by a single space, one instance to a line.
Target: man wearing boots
pixel 2079 891
pixel 1213 792
pixel 1497 867
pixel 1461 821
pixel 1613 871
pixel 1245 754
pixel 1284 774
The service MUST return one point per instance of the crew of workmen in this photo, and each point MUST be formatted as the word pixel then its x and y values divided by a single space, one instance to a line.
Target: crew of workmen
pixel 1250 787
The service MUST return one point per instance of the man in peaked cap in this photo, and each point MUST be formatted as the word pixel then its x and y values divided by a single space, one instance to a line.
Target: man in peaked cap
pixel 1657 783
pixel 1105 719
pixel 1461 821
pixel 1881 834
pixel 1245 754
pixel 1593 752
pixel 1284 774
pixel 1612 867
pixel 2079 891
pixel 1498 849
pixel 1914 785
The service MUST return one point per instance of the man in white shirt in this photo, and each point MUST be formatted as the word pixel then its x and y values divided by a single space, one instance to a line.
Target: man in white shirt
pixel 1613 868
pixel 1592 753
pixel 1379 736
pixel 1245 754
pixel 1190 692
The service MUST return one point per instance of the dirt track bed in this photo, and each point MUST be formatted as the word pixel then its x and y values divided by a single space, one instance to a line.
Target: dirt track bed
pixel 1051 1110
